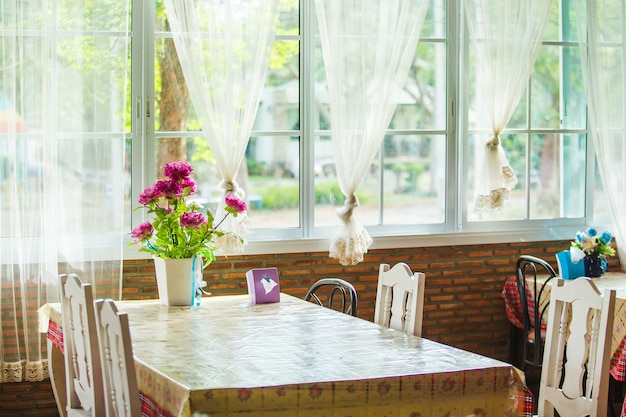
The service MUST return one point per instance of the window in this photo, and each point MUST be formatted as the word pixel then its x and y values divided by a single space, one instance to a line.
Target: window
pixel 64 73
pixel 426 165
pixel 545 138
pixel 421 182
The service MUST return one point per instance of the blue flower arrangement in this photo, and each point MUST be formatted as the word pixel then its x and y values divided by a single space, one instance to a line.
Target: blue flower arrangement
pixel 592 244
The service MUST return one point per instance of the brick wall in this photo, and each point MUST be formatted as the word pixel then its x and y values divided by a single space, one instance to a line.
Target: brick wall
pixel 462 305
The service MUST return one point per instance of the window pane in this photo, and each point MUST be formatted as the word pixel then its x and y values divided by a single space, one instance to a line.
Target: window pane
pixel 269 177
pixel 477 117
pixel 64 74
pixel 272 186
pixel 545 169
pixel 514 146
pixel 101 15
pixel 574 101
pixel 545 81
pixel 435 22
pixel 553 26
pixel 601 205
pixel 279 108
pixel 423 101
pixel 546 160
pixel 574 173
pixel 519 119
pixel 289 18
pixel 414 179
pixel 173 108
pixel 92 83
pixel 328 195
pixel 557 176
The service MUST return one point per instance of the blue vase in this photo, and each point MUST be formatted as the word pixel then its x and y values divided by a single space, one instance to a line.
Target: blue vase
pixel 594 266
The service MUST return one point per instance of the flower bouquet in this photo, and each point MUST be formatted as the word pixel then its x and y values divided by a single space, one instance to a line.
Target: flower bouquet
pixel 179 230
pixel 593 250
pixel 180 236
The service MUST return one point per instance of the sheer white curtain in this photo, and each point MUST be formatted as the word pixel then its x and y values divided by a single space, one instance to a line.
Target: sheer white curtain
pixel 224 48
pixel 368 47
pixel 63 77
pixel 603 56
pixel 505 37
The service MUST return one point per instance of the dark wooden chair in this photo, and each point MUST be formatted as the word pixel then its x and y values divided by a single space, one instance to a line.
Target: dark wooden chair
pixel 528 269
pixel 334 290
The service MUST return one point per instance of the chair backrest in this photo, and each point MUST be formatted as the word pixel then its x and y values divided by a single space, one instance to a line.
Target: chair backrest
pixel 328 289
pixel 533 296
pixel 575 373
pixel 118 365
pixel 400 298
pixel 83 373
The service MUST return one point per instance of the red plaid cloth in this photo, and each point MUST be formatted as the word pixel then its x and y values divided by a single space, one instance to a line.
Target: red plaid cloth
pixel 618 362
pixel 513 304
pixel 618 368
pixel 528 402
pixel 55 335
pixel 149 407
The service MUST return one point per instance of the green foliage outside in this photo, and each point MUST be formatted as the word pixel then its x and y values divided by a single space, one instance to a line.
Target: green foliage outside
pixel 328 192
pixel 286 195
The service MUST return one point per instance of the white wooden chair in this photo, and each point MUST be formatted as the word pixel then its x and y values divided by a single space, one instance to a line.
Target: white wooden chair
pixel 575 373
pixel 118 365
pixel 400 298
pixel 83 373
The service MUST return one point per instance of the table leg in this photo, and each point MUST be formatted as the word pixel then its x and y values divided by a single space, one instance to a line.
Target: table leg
pixel 56 369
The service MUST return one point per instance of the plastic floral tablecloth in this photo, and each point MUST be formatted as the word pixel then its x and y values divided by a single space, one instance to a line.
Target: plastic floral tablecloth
pixel 295 358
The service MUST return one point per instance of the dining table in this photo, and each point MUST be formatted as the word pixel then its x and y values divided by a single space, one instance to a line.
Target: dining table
pixel 615 280
pixel 228 357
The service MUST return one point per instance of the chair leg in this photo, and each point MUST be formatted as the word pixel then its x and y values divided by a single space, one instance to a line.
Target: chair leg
pixel 616 396
pixel 515 339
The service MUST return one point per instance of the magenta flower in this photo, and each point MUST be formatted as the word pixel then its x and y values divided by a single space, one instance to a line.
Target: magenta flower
pixel 142 232
pixel 235 203
pixel 148 196
pixel 177 170
pixel 168 189
pixel 178 228
pixel 189 182
pixel 192 219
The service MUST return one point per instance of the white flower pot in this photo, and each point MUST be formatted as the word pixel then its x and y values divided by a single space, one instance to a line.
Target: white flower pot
pixel 175 280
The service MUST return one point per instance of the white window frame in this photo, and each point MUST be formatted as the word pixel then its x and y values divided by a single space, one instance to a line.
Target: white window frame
pixel 455 230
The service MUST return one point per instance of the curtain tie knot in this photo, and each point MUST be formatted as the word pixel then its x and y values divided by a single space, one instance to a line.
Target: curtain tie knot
pixel 494 141
pixel 345 213
pixel 231 187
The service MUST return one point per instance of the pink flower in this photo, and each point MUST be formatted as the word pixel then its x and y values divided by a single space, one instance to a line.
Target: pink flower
pixel 192 219
pixel 179 230
pixel 148 196
pixel 142 232
pixel 189 182
pixel 177 170
pixel 235 203
pixel 168 189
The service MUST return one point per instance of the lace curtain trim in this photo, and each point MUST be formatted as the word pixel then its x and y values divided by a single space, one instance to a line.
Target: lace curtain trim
pixel 24 371
pixel 496 199
pixel 348 249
